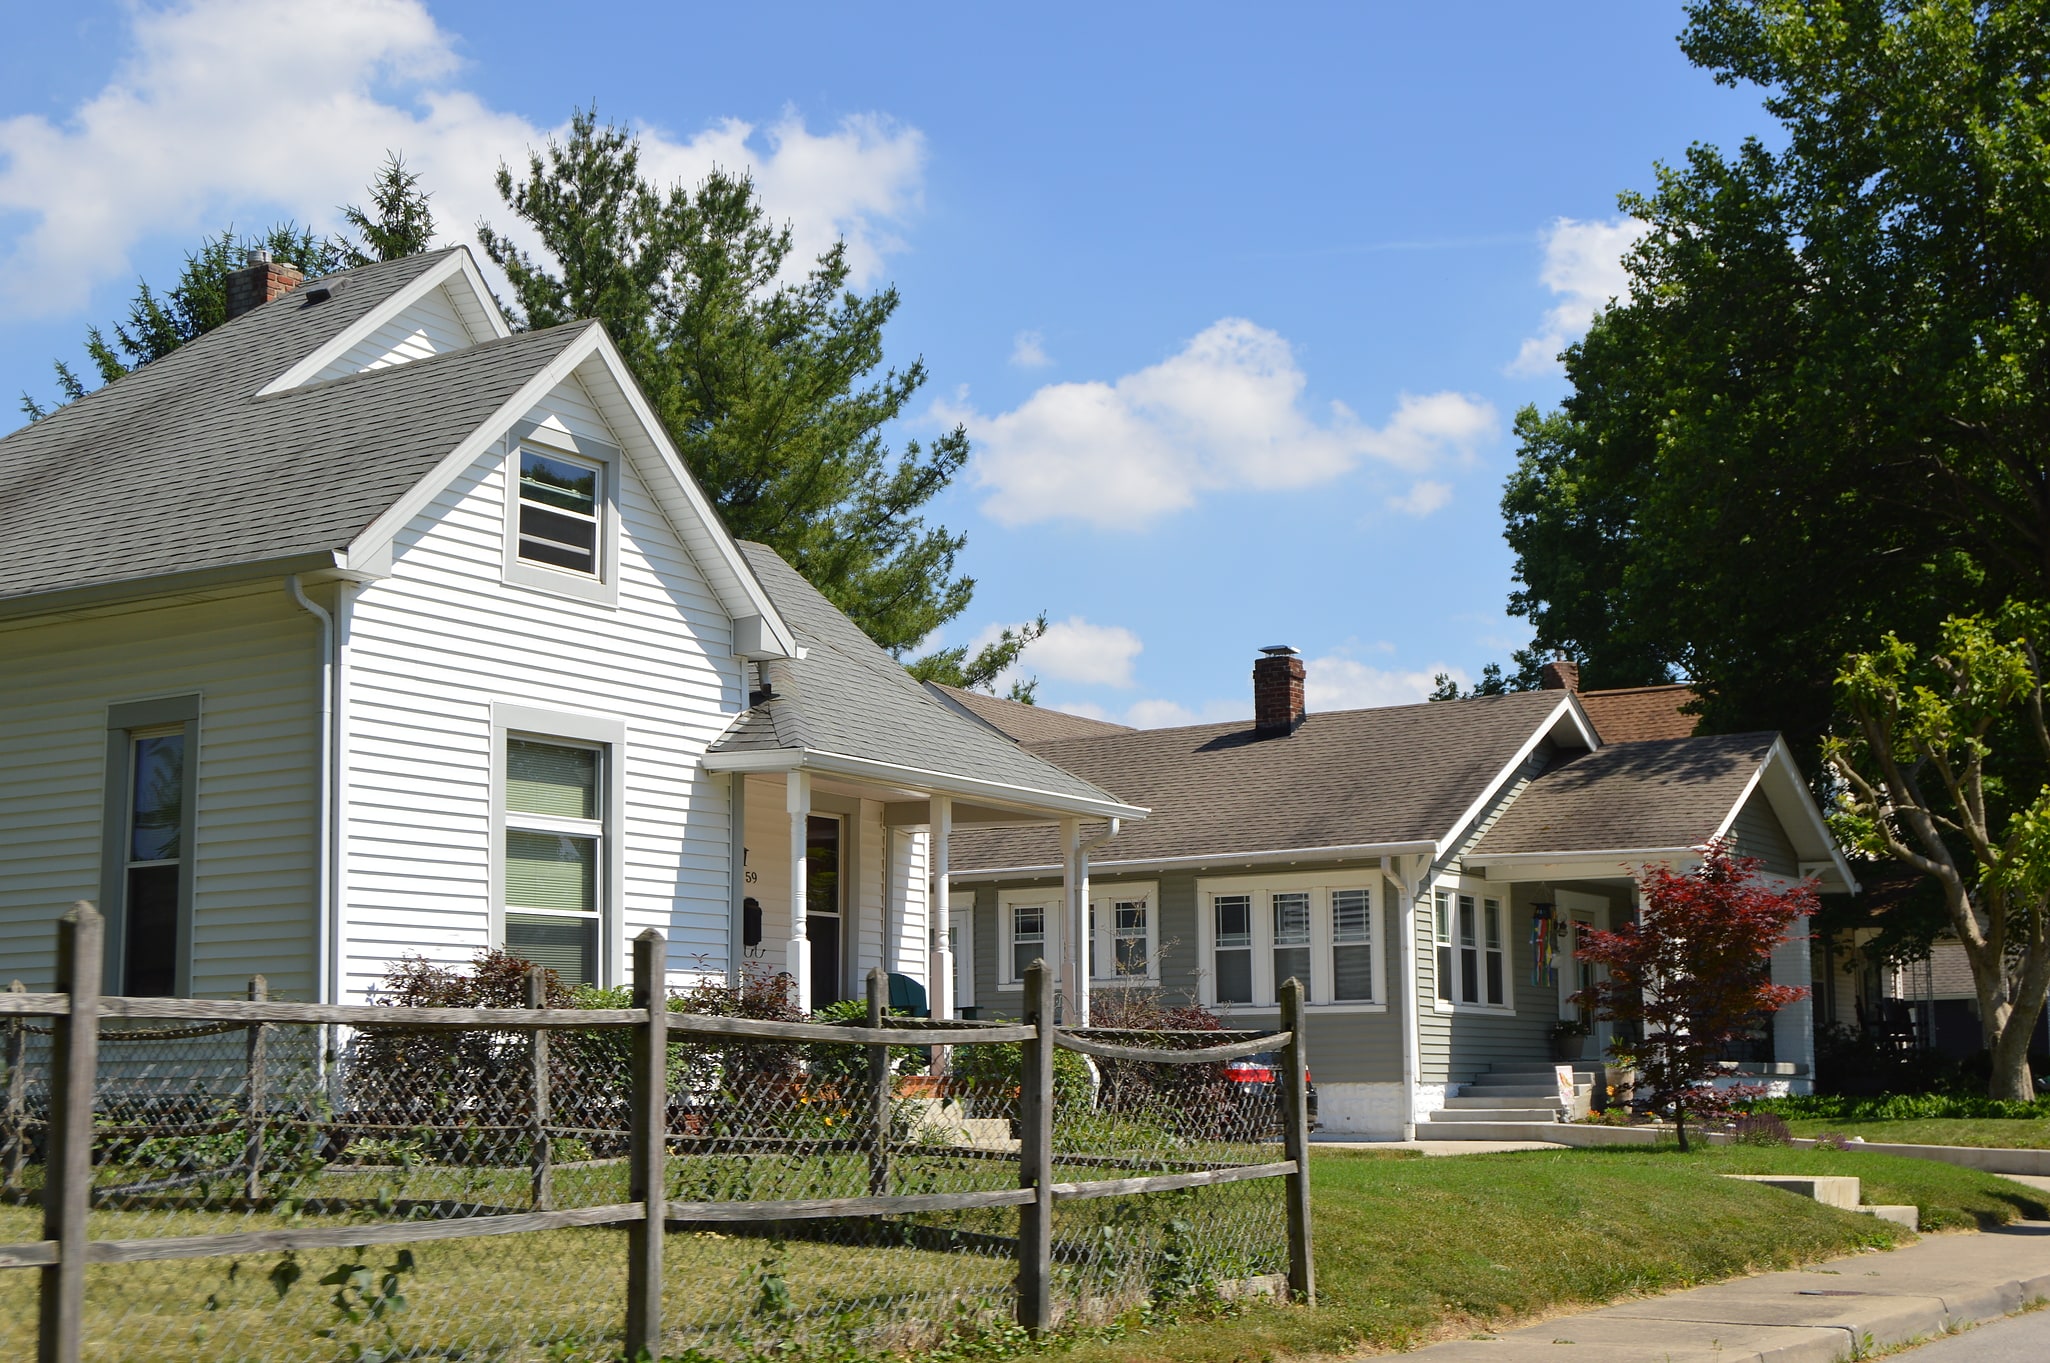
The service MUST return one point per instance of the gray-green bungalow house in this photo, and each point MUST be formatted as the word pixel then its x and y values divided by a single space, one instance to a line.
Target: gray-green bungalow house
pixel 1424 868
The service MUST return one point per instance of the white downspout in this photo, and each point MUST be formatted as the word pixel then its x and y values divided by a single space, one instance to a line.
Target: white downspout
pixel 1412 1069
pixel 326 948
pixel 1082 893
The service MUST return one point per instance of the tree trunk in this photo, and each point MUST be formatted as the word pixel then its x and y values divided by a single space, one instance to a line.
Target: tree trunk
pixel 2011 1078
pixel 1680 1125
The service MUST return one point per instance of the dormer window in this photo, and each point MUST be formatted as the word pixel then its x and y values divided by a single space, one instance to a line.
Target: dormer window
pixel 560 499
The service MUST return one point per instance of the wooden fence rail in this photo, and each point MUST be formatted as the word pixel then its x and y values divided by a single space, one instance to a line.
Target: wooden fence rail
pixel 75 1013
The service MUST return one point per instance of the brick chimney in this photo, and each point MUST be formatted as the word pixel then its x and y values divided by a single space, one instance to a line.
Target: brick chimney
pixel 1561 674
pixel 258 281
pixel 1277 690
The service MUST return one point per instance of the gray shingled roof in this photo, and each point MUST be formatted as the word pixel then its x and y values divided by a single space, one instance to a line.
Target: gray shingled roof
pixel 1025 723
pixel 178 467
pixel 1345 778
pixel 848 696
pixel 1657 793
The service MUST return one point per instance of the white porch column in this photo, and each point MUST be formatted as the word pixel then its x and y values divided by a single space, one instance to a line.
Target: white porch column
pixel 940 988
pixel 1074 967
pixel 1793 1027
pixel 797 799
pixel 1412 1044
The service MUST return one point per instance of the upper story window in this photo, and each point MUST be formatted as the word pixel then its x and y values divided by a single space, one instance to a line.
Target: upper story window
pixel 561 500
pixel 563 529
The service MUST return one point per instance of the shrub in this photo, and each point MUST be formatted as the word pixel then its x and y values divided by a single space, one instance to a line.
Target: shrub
pixel 1760 1128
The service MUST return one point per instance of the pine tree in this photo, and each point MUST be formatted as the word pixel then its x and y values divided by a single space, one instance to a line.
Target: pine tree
pixel 772 385
pixel 398 223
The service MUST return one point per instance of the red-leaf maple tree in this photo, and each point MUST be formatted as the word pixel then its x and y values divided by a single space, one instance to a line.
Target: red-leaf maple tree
pixel 1693 974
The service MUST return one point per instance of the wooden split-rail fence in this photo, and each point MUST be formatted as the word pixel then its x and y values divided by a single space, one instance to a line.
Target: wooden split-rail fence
pixel 77 1009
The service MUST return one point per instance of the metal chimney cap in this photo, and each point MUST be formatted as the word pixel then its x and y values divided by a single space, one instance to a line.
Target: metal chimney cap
pixel 255 255
pixel 1278 651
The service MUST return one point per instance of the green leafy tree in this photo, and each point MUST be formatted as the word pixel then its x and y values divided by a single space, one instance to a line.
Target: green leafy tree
pixel 1941 767
pixel 980 671
pixel 1492 683
pixel 396 224
pixel 771 382
pixel 1823 410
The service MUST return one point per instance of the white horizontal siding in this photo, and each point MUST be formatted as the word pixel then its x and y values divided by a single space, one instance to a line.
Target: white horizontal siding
pixel 252 659
pixel 432 647
pixel 430 326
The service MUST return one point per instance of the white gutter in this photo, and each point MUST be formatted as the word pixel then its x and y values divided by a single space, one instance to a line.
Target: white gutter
pixel 1219 859
pixel 326 947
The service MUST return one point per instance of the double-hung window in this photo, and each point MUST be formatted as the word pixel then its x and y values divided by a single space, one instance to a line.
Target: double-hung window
pixel 1130 953
pixel 1233 947
pixel 560 502
pixel 1352 946
pixel 1473 965
pixel 1291 937
pixel 1028 937
pixel 1121 934
pixel 555 854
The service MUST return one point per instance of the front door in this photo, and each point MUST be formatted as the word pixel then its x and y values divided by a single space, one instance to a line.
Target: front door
pixel 824 855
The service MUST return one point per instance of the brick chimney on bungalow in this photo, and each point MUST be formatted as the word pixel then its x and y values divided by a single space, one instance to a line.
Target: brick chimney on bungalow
pixel 259 281
pixel 1277 691
pixel 1561 674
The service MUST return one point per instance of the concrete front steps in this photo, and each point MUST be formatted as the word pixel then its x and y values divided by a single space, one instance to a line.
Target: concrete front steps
pixel 1509 1105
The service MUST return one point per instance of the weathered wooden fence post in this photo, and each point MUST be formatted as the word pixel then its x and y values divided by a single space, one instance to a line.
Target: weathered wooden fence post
pixel 255 1098
pixel 1035 1154
pixel 878 1088
pixel 68 1157
pixel 537 1089
pixel 1295 1143
pixel 17 1101
pixel 647 1161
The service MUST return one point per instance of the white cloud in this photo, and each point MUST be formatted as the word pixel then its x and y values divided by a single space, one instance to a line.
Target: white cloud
pixel 1028 351
pixel 1224 413
pixel 1071 650
pixel 1348 684
pixel 1584 269
pixel 244 110
pixel 1423 497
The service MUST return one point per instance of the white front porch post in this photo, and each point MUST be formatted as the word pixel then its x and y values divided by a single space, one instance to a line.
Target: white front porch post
pixel 939 909
pixel 1412 1068
pixel 1074 978
pixel 1793 1027
pixel 1083 935
pixel 797 799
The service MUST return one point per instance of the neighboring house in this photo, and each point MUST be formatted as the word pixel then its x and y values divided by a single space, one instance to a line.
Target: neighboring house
pixel 1423 868
pixel 360 627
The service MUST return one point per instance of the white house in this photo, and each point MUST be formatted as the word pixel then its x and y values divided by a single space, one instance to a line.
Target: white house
pixel 361 627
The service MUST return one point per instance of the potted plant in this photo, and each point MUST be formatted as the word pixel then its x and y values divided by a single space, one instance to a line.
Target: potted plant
pixel 1569 1039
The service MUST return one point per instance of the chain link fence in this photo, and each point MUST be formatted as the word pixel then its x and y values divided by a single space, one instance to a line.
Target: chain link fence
pixel 262 1180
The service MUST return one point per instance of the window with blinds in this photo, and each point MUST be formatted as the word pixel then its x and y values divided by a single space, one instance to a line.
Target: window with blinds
pixel 554 837
pixel 1352 947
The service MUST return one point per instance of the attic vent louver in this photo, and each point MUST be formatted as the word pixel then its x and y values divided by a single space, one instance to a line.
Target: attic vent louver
pixel 319 293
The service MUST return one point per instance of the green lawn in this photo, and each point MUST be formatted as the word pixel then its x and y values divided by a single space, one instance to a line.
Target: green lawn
pixel 1413 1249
pixel 2008 1132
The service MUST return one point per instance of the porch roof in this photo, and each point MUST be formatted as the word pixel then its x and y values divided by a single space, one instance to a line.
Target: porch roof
pixel 848 707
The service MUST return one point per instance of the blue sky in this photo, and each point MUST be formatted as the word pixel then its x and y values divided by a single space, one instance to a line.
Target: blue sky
pixel 1236 301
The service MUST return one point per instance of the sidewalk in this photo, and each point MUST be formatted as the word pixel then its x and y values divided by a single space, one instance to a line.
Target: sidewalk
pixel 1814 1315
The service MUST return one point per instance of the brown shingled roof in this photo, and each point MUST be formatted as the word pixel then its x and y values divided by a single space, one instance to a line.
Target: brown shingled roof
pixel 1347 778
pixel 1021 722
pixel 1659 793
pixel 1633 714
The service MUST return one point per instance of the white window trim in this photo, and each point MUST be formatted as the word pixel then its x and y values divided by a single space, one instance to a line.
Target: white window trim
pixel 1481 891
pixel 1319 885
pixel 553 438
pixel 1103 901
pixel 1055 901
pixel 961 933
pixel 521 721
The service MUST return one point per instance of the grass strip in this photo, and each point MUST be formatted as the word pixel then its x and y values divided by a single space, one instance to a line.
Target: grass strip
pixel 1410 1250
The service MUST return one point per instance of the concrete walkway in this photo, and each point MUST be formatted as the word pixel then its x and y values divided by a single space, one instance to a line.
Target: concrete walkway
pixel 1431 1147
pixel 1815 1315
